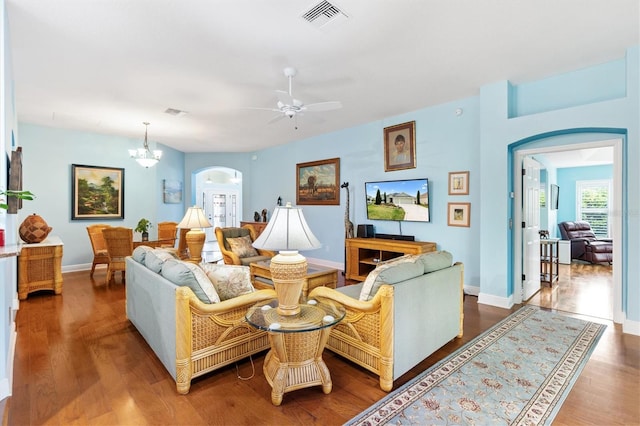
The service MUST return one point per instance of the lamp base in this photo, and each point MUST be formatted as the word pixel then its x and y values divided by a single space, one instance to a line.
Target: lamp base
pixel 288 269
pixel 195 241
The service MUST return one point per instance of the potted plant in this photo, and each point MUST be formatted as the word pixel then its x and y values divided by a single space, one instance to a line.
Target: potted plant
pixel 143 227
pixel 22 195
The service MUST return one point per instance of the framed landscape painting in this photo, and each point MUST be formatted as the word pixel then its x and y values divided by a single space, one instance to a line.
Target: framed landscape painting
pixel 172 191
pixel 317 182
pixel 97 193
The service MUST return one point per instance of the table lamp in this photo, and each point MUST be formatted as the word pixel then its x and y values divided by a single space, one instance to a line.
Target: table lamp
pixel 287 232
pixel 195 220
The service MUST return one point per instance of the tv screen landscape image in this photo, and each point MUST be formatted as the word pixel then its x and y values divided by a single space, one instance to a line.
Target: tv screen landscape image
pixel 406 200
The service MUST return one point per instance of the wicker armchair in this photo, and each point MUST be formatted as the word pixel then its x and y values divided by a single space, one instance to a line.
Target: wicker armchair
pixel 230 258
pixel 167 233
pixel 370 337
pixel 99 246
pixel 119 242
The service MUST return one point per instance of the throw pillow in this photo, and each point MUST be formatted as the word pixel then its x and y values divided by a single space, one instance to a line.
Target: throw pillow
pixel 139 253
pixel 242 247
pixel 372 284
pixel 435 261
pixel 155 258
pixel 229 280
pixel 191 275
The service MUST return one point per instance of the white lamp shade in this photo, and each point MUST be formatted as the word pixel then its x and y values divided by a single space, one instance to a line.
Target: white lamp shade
pixel 287 230
pixel 194 218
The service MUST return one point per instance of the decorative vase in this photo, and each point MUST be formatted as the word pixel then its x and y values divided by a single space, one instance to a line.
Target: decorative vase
pixel 34 229
pixel 145 236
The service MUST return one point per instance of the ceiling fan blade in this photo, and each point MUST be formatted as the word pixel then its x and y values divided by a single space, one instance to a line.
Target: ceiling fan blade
pixel 263 109
pixel 284 97
pixel 276 118
pixel 323 106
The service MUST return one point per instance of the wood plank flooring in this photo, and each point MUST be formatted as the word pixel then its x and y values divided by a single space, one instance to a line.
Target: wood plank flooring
pixel 79 361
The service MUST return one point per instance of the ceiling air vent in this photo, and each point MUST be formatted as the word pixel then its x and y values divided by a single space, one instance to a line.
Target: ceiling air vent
pixel 175 112
pixel 324 13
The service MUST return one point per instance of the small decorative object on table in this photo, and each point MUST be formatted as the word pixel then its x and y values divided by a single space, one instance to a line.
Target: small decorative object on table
pixel 34 229
pixel 143 227
pixel 264 215
pixel 256 217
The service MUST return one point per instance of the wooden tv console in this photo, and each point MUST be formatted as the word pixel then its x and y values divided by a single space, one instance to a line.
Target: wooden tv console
pixel 363 254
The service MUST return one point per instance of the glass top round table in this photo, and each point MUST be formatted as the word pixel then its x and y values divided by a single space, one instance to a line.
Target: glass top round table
pixel 315 314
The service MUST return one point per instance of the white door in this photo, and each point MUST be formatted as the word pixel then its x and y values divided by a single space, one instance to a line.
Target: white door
pixel 530 227
pixel 221 208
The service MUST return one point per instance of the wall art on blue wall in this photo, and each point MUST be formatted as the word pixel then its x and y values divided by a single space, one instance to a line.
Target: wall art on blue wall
pixel 97 192
pixel 172 191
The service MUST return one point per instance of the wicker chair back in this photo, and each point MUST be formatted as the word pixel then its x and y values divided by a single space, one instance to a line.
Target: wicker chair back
pixel 98 244
pixel 119 242
pixel 167 231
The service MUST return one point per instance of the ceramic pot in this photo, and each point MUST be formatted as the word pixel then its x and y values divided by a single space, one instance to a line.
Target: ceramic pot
pixel 34 229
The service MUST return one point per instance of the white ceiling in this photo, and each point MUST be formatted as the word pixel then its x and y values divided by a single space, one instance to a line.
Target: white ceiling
pixel 106 66
pixel 578 158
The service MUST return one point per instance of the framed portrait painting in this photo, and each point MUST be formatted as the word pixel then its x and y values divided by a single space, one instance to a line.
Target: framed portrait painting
pixel 459 214
pixel 317 182
pixel 400 147
pixel 97 193
pixel 458 183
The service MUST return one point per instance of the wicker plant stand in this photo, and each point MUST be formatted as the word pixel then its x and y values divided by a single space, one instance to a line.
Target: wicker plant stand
pixel 40 267
pixel 297 342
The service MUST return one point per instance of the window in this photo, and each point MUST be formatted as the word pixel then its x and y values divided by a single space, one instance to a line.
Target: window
pixel 593 201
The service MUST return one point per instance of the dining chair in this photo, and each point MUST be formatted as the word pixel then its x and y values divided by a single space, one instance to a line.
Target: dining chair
pixel 167 231
pixel 99 246
pixel 119 242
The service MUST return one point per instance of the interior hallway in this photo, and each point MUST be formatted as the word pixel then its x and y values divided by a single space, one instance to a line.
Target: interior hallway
pixel 582 288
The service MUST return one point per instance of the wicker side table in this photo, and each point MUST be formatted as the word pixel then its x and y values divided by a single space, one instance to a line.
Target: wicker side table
pixel 297 342
pixel 40 267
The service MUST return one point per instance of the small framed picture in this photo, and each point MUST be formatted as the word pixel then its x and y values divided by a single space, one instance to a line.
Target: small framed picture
pixel 459 214
pixel 171 191
pixel 400 147
pixel 458 183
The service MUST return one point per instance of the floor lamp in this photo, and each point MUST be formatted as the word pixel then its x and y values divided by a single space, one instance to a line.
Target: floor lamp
pixel 287 232
pixel 195 220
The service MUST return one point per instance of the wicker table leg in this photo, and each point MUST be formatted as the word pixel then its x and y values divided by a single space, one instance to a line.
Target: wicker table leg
pixel 295 362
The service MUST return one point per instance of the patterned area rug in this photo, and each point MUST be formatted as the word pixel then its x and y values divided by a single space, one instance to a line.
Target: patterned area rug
pixel 517 372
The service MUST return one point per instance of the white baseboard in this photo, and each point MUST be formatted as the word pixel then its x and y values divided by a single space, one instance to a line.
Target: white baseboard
pixel 6 384
pixel 493 300
pixel 471 290
pixel 80 267
pixel 326 263
pixel 631 327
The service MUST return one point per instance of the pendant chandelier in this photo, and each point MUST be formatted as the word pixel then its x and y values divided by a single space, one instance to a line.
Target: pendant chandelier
pixel 143 155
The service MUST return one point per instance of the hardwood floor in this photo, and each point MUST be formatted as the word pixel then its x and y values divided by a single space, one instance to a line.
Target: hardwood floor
pixel 79 361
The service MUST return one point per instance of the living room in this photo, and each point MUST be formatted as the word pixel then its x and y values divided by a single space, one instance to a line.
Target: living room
pixel 476 133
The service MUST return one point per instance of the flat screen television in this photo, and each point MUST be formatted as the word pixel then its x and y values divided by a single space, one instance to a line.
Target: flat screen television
pixel 406 200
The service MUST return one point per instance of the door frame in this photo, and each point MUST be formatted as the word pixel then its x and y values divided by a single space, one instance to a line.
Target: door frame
pixel 616 220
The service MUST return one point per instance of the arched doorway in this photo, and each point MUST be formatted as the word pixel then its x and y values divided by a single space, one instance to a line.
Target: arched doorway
pixel 218 191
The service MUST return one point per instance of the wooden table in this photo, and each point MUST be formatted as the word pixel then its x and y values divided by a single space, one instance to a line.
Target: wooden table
pixel 40 267
pixel 316 276
pixel 154 243
pixel 297 342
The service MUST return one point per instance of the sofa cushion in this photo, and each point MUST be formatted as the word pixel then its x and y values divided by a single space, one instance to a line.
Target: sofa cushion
pixel 190 275
pixel 139 253
pixel 390 272
pixel 434 261
pixel 242 247
pixel 155 258
pixel 229 280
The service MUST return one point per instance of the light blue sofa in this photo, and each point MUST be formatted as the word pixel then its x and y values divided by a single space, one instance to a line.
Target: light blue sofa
pixel 416 310
pixel 190 337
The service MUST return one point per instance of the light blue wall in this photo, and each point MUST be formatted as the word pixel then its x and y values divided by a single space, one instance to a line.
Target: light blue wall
pixel 480 141
pixel 48 155
pixel 567 178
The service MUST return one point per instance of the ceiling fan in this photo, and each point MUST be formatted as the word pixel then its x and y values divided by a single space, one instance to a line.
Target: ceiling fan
pixel 288 106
